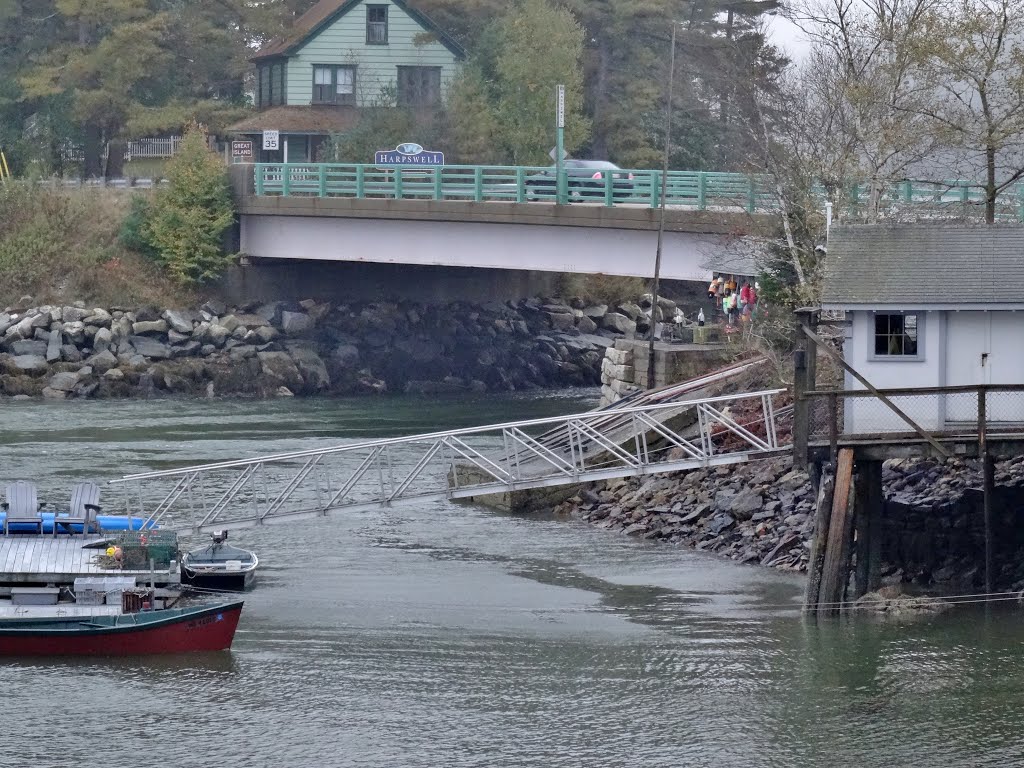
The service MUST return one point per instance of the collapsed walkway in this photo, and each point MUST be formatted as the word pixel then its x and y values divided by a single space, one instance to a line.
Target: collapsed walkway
pixel 667 430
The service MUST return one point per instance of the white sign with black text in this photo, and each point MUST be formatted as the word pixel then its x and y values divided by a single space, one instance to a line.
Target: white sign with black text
pixel 271 140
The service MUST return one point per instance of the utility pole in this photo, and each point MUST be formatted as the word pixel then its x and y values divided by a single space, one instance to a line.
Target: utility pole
pixel 661 220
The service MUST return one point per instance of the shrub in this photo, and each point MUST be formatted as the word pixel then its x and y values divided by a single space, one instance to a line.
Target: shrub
pixel 182 227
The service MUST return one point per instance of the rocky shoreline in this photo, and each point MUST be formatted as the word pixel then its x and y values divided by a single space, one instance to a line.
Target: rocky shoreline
pixel 306 348
pixel 763 513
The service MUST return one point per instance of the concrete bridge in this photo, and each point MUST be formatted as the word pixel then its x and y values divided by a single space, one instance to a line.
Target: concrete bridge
pixel 498 219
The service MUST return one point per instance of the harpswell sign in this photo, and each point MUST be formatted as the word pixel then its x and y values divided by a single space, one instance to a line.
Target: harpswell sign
pixel 408 154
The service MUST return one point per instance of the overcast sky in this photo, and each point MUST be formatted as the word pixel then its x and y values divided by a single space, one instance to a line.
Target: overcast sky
pixel 788 36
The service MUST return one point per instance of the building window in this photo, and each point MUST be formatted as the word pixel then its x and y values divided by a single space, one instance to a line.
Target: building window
pixel 419 86
pixel 896 335
pixel 377 24
pixel 334 85
pixel 264 89
pixel 277 85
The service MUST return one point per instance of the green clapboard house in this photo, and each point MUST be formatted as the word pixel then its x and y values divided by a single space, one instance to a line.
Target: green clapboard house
pixel 343 55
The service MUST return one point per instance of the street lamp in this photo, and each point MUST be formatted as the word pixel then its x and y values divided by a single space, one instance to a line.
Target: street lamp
pixel 661 219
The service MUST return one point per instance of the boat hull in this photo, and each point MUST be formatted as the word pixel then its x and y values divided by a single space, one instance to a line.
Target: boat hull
pixel 223 581
pixel 209 629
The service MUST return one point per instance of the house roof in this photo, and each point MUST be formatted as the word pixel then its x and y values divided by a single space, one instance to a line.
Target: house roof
pixel 299 119
pixel 326 12
pixel 923 264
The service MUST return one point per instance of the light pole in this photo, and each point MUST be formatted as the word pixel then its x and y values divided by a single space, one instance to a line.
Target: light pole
pixel 661 219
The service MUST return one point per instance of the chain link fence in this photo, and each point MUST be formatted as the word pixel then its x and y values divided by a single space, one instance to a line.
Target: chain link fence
pixel 944 410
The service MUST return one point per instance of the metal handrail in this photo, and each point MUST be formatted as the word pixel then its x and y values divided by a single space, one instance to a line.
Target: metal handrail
pixel 461 463
pixel 463 432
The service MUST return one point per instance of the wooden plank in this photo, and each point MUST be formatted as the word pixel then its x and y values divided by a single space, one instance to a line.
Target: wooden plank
pixel 822 514
pixel 835 569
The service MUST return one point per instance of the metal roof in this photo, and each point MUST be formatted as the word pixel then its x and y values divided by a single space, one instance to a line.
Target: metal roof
pixel 923 264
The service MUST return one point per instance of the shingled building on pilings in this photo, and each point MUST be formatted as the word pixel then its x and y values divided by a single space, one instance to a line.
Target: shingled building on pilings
pixel 931 347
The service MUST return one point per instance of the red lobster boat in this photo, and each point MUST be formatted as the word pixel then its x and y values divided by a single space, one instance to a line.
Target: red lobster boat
pixel 170 630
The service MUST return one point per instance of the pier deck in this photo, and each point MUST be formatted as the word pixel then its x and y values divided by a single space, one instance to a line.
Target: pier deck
pixel 40 560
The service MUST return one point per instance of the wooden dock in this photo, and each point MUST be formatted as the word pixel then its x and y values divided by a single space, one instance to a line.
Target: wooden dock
pixel 28 560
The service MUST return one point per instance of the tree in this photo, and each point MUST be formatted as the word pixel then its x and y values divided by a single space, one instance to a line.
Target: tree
pixel 474 131
pixel 539 47
pixel 184 225
pixel 974 55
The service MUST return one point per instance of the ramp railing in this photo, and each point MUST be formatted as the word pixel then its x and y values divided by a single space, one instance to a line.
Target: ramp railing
pixel 459 464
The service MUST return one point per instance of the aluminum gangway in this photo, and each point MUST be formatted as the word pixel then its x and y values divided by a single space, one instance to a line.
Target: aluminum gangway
pixel 644 439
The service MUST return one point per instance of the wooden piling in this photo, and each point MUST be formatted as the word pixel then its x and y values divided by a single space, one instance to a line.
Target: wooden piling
pixel 835 570
pixel 988 471
pixel 822 513
pixel 868 511
pixel 876 508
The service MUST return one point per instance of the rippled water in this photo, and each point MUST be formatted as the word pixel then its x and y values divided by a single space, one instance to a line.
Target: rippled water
pixel 448 635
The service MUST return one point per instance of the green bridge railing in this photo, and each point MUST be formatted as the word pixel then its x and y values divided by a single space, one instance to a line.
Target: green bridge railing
pixel 696 190
pixel 518 184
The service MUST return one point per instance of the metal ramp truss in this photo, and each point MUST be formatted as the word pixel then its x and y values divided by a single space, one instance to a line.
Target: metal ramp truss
pixel 459 464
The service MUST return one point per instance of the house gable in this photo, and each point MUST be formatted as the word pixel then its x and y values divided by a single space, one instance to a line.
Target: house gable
pixel 336 33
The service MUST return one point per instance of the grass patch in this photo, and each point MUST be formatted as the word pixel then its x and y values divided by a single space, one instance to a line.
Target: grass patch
pixel 60 246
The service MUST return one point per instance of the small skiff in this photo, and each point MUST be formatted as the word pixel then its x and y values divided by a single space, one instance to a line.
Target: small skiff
pixel 170 630
pixel 219 566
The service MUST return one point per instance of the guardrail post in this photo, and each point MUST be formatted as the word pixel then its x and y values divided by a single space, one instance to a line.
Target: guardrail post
pixel 702 191
pixel 397 179
pixel 655 188
pixel 286 180
pixel 520 184
pixel 478 184
pixel 1020 202
pixel 438 185
pixel 322 171
pixel 751 195
pixel 360 182
pixel 258 171
pixel 908 191
pixel 609 189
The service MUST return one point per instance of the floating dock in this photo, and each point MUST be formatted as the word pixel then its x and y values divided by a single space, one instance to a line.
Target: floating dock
pixel 45 560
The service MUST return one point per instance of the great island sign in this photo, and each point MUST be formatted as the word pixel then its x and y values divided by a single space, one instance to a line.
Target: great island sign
pixel 408 154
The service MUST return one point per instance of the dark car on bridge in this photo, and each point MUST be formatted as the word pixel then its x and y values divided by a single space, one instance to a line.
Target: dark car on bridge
pixel 584 179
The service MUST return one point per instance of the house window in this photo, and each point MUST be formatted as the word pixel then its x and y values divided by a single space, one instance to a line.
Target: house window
pixel 264 94
pixel 334 85
pixel 419 86
pixel 896 335
pixel 377 24
pixel 277 85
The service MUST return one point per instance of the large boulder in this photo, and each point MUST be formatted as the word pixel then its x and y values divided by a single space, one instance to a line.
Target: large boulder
pixel 73 314
pixel 313 370
pixel 53 346
pixel 65 381
pixel 98 317
pixel 30 363
pixel 150 347
pixel 618 322
pixel 103 361
pixel 179 319
pixel 29 347
pixel 280 370
pixel 345 355
pixel 74 332
pixel 561 321
pixel 23 329
pixel 295 322
pixel 155 327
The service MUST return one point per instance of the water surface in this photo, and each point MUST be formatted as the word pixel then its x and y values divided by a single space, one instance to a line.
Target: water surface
pixel 448 635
